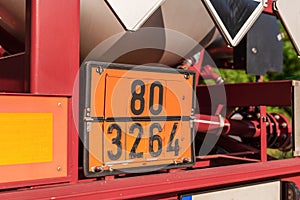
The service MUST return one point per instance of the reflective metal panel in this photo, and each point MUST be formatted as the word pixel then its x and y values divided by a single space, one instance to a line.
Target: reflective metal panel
pixel 234 17
pixel 289 13
pixel 133 13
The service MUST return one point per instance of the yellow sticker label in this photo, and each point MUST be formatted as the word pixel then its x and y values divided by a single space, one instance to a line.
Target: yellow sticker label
pixel 26 138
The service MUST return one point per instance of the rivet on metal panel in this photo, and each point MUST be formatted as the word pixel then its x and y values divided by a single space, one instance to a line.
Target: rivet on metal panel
pixel 183 97
pixel 88 112
pixel 192 111
pixel 186 160
pixel 254 50
pixel 97 169
pixel 59 168
pixel 99 70
pixel 175 162
pixel 280 36
pixel 186 75
pixel 59 104
pixel 88 127
pixel 111 169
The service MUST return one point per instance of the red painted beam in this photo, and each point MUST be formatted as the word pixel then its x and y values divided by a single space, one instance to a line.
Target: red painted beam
pixel 269 9
pixel 263 134
pixel 54 46
pixel 73 141
pixel 149 185
pixel 272 93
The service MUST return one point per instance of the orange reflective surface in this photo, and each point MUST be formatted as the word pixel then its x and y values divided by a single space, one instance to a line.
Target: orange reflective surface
pixel 145 119
pixel 34 130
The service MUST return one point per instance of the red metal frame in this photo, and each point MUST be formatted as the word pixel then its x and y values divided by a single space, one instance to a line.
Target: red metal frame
pixel 167 184
pixel 54 59
pixel 263 134
pixel 54 46
pixel 72 145
pixel 269 9
pixel 52 49
pixel 273 93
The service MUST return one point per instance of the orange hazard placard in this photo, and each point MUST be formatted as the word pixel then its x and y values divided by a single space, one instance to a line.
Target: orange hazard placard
pixel 136 118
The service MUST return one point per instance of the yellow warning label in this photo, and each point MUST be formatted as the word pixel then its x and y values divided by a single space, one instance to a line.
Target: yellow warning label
pixel 25 138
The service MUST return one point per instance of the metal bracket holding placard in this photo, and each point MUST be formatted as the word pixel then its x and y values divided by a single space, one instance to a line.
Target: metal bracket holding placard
pixel 118 136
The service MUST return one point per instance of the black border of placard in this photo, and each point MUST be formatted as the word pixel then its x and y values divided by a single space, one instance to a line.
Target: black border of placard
pixel 84 102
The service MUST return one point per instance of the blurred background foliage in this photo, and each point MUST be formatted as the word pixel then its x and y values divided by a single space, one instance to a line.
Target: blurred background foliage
pixel 291 71
pixel 291 67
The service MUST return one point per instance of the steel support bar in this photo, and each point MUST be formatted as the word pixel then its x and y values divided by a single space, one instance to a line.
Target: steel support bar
pixel 161 184
pixel 263 134
pixel 243 128
pixel 273 93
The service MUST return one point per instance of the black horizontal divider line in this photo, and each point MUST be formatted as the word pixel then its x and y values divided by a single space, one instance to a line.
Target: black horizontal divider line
pixel 143 119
